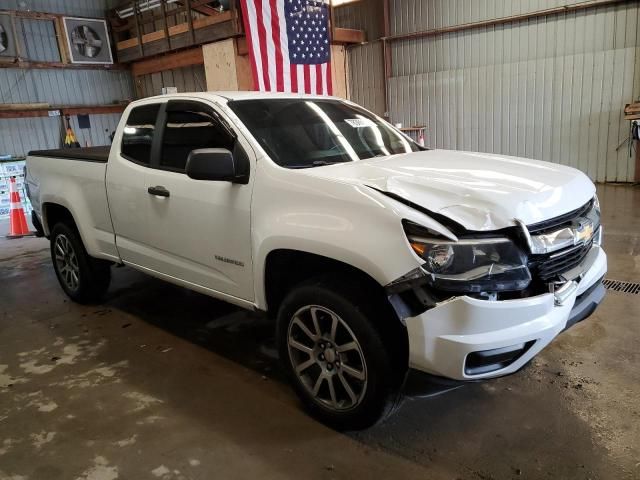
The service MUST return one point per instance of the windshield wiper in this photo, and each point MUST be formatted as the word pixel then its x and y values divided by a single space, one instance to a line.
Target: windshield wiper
pixel 321 163
pixel 315 163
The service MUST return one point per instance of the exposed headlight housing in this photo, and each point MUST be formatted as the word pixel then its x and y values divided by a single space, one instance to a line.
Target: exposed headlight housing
pixel 470 265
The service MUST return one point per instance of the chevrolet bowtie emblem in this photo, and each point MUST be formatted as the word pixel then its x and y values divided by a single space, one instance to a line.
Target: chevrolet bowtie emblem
pixel 583 232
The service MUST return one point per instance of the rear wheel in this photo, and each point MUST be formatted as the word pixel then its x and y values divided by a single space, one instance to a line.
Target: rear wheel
pixel 83 278
pixel 332 349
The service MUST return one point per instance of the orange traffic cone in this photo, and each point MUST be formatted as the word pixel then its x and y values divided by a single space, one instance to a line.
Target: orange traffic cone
pixel 18 226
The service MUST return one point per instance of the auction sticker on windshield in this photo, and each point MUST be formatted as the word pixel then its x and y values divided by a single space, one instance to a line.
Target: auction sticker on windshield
pixel 360 122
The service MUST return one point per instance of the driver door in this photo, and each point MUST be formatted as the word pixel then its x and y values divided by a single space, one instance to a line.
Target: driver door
pixel 198 232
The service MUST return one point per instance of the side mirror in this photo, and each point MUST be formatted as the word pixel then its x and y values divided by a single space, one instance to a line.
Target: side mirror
pixel 217 164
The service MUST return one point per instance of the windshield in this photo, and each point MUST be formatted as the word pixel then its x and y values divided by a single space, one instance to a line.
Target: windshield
pixel 301 133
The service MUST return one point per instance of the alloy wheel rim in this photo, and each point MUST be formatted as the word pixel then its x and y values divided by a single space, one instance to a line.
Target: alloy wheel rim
pixel 327 358
pixel 67 262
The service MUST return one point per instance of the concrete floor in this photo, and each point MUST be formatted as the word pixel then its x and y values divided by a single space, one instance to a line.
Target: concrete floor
pixel 160 382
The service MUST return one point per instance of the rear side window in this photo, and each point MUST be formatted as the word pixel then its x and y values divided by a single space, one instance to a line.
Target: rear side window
pixel 138 133
pixel 190 126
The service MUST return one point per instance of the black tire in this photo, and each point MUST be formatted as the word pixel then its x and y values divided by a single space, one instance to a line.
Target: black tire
pixel 92 275
pixel 383 362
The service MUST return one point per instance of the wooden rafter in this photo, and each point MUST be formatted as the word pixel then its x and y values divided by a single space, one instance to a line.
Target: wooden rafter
pixel 17 63
pixel 42 110
pixel 184 58
pixel 348 35
pixel 175 30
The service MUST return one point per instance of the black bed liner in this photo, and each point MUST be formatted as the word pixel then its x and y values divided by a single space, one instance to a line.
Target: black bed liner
pixel 88 154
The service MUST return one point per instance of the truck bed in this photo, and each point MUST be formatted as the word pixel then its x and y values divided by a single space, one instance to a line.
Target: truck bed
pixel 87 154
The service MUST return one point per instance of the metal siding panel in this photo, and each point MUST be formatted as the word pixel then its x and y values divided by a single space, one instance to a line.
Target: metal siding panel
pixel 86 8
pixel 366 15
pixel 577 122
pixel 550 88
pixel 18 136
pixel 366 76
pixel 614 173
pixel 64 86
pixel 604 171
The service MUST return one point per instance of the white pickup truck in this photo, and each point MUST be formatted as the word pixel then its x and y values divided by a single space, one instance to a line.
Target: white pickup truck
pixel 373 255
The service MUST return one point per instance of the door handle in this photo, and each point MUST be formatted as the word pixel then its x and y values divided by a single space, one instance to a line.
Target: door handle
pixel 158 190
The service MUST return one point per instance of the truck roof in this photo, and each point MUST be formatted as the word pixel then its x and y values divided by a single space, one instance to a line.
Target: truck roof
pixel 243 95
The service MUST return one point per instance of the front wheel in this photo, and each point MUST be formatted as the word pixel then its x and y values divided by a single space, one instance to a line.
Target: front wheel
pixel 83 278
pixel 333 352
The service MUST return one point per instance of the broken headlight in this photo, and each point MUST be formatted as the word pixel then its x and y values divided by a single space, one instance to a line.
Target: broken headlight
pixel 470 265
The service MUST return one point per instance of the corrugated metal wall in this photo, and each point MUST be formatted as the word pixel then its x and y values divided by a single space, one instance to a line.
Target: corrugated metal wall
pixel 82 8
pixel 552 88
pixel 18 136
pixel 366 76
pixel 418 15
pixel 56 86
pixel 36 38
pixel 364 15
pixel 65 87
pixel 187 79
pixel 365 70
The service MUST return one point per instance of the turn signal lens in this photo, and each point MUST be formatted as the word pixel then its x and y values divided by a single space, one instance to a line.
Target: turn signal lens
pixel 438 256
pixel 419 248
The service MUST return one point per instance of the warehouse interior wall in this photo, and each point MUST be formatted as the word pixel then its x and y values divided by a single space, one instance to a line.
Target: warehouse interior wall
pixel 366 76
pixel 550 88
pixel 80 8
pixel 363 15
pixel 185 79
pixel 61 86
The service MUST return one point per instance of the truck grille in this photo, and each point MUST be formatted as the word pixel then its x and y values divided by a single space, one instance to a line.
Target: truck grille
pixel 561 221
pixel 547 267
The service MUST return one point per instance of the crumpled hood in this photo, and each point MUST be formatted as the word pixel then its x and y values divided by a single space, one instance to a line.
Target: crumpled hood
pixel 480 191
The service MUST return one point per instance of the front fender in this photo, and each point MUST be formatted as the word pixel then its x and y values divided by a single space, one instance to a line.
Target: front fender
pixel 349 223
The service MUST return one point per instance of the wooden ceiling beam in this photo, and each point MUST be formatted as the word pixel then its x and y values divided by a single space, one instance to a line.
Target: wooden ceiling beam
pixel 17 63
pixel 42 110
pixel 348 35
pixel 183 58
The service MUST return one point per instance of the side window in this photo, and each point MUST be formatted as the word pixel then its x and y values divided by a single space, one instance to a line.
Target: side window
pixel 137 135
pixel 191 125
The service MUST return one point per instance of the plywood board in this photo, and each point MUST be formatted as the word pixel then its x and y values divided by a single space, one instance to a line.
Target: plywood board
pixel 220 65
pixel 225 68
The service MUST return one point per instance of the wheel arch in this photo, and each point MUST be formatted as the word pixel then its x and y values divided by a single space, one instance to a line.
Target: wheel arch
pixel 286 267
pixel 350 289
pixel 53 213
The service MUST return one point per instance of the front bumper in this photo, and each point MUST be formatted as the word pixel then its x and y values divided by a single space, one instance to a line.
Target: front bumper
pixel 468 339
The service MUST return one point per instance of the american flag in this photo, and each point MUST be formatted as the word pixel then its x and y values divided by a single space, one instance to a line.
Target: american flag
pixel 289 45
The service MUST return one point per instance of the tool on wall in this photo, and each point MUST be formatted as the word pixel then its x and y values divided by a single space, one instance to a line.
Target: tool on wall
pixel 70 140
pixel 632 113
